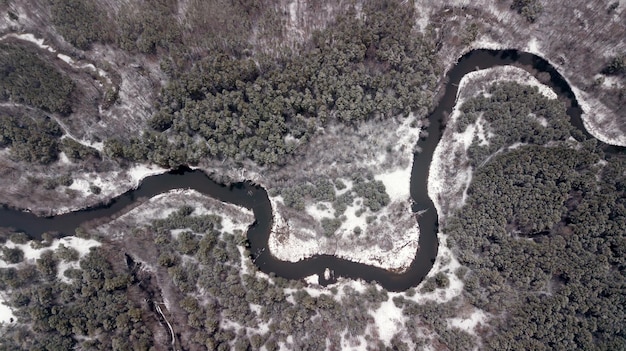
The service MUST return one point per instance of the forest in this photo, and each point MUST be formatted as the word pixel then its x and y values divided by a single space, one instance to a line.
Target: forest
pixel 263 110
pixel 27 79
pixel 542 235
pixel 540 239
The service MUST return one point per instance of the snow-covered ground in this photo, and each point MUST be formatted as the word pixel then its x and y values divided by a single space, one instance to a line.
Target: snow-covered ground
pixel 470 321
pixel 162 205
pixel 598 120
pixel 111 184
pixel 394 227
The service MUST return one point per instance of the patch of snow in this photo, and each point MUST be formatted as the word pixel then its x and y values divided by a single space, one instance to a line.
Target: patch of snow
pixel 388 319
pixel 62 267
pixel 293 11
pixel 312 279
pixel 320 210
pixel 533 46
pixel 66 59
pixel 138 172
pixel 63 158
pixel 352 220
pixel 611 82
pixel 82 186
pixel 599 120
pixel 6 314
pixel 469 323
pixel 29 37
pixel 397 183
pixel 348 183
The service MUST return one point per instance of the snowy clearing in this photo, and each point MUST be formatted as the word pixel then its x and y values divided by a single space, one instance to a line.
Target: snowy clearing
pixel 598 120
pixel 470 322
pixel 390 159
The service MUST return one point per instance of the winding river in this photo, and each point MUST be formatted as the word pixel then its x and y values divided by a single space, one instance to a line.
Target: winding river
pixel 255 198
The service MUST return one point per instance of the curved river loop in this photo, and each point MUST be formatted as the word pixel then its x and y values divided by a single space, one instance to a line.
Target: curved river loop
pixel 256 199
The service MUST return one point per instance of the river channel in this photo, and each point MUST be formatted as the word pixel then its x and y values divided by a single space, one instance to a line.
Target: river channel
pixel 255 198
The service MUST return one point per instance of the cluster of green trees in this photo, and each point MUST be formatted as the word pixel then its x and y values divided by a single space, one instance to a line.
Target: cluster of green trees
pixel 371 191
pixel 76 151
pixel 513 113
pixel 616 65
pixel 146 27
pixel 80 22
pixel 93 311
pixel 26 78
pixel 242 109
pixel 529 9
pixel 296 196
pixel 30 139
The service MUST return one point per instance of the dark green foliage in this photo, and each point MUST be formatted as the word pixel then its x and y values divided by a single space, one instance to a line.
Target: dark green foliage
pixel 31 140
pixel 146 27
pixel 324 190
pixel 80 22
pixel 183 219
pixel 529 9
pixel 66 253
pixel 342 202
pixel 616 66
pixel 374 194
pixel 95 189
pixel 76 151
pixel 330 226
pixel 94 306
pixel 53 183
pixel 47 265
pixel 19 238
pixel 512 113
pixel 27 79
pixel 12 255
pixel 540 236
pixel 352 71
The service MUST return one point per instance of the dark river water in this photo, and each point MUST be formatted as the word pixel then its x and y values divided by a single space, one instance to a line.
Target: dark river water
pixel 255 198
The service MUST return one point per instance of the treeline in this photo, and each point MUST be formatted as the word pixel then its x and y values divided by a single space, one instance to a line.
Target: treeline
pixel 542 231
pixel 27 79
pixel 229 107
pixel 30 139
